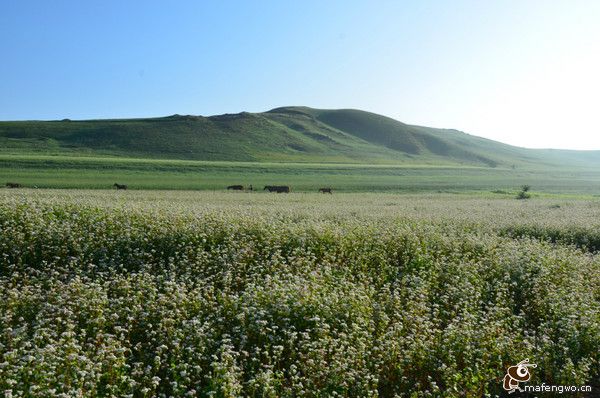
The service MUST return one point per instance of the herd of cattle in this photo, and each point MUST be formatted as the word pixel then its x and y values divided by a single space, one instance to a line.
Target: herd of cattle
pixel 270 188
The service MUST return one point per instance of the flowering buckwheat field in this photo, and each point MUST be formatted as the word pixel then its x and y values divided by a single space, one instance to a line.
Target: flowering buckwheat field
pixel 165 294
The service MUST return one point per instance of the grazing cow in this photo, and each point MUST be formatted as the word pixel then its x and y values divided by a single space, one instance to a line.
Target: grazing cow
pixel 277 188
pixel 236 187
pixel 325 190
pixel 120 186
pixel 13 185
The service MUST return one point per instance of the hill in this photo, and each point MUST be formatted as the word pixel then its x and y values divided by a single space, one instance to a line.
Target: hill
pixel 288 134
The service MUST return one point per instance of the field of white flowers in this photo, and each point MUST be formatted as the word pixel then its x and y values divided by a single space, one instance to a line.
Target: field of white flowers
pixel 185 294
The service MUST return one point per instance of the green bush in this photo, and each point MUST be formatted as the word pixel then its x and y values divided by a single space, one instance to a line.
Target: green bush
pixel 523 193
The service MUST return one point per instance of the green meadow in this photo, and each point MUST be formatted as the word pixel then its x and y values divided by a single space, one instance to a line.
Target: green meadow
pixel 145 174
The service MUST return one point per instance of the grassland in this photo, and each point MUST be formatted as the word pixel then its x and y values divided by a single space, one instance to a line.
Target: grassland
pixel 305 148
pixel 163 293
pixel 288 134
pixel 45 171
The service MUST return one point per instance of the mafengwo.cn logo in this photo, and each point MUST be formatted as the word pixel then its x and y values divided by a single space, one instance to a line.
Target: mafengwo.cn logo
pixel 520 373
pixel 516 374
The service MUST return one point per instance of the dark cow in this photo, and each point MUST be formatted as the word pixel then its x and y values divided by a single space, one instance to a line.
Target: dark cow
pixel 325 190
pixel 277 188
pixel 236 187
pixel 13 185
pixel 120 186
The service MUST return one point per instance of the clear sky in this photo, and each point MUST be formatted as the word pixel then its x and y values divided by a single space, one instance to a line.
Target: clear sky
pixel 523 72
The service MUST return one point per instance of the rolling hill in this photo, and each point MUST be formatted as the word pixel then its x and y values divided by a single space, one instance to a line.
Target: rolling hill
pixel 287 134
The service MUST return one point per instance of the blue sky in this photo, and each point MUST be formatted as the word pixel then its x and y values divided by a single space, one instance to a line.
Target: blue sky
pixel 522 72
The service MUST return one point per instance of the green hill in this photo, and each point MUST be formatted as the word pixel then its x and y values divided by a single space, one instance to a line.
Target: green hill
pixel 288 134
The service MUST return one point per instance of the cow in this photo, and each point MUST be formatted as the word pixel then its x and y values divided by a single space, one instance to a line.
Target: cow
pixel 277 188
pixel 120 186
pixel 325 190
pixel 13 185
pixel 235 187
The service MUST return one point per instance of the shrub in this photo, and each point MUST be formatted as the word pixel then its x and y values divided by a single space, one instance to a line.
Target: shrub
pixel 523 193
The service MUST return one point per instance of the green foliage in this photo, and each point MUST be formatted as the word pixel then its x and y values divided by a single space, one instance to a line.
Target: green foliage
pixel 523 193
pixel 219 294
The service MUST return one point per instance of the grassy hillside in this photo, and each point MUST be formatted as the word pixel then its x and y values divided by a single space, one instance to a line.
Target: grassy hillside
pixel 290 134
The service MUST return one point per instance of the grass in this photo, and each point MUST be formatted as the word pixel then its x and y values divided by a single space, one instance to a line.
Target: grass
pixel 290 134
pixel 46 171
pixel 165 293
